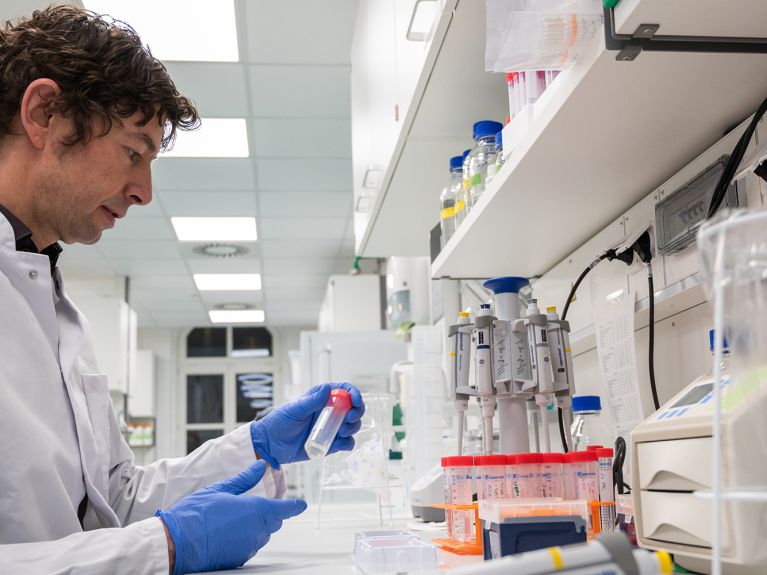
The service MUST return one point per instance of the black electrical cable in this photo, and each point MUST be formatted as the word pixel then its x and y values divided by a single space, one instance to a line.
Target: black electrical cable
pixel 620 457
pixel 720 192
pixel 562 436
pixel 651 343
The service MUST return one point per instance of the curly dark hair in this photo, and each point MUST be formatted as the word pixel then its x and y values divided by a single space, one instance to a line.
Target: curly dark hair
pixel 101 66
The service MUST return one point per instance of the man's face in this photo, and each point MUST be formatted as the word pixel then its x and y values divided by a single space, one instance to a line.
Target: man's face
pixel 79 191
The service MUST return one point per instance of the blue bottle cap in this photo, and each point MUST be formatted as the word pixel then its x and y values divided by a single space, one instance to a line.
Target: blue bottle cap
pixel 507 284
pixel 456 163
pixel 725 345
pixel 465 153
pixel 586 403
pixel 486 128
pixel 484 306
pixel 499 140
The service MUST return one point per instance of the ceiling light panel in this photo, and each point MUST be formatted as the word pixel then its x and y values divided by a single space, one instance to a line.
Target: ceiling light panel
pixel 215 229
pixel 236 316
pixel 215 138
pixel 208 32
pixel 227 282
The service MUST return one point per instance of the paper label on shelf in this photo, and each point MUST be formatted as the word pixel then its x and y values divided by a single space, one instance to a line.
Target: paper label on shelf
pixel 614 327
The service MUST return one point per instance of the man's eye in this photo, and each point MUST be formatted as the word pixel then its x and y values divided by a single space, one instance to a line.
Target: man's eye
pixel 133 155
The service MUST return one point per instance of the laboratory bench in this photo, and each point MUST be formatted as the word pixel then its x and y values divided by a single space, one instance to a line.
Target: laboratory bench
pixel 299 547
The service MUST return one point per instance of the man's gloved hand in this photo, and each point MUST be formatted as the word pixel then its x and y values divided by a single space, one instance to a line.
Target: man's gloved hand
pixel 280 436
pixel 216 528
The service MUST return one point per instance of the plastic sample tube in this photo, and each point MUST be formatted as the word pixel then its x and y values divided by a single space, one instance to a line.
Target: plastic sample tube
pixel 527 475
pixel 583 469
pixel 328 423
pixel 512 489
pixel 490 471
pixel 458 491
pixel 606 491
pixel 552 476
pixel 510 81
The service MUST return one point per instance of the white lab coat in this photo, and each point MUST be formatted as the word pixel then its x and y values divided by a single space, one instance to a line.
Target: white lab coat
pixel 59 440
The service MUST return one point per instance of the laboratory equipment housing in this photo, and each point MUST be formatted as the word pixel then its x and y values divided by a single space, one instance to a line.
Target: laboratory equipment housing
pixel 618 152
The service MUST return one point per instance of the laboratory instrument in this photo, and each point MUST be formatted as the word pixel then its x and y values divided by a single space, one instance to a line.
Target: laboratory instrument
pixel 426 492
pixel 562 368
pixel 672 459
pixel 328 423
pixel 588 428
pixel 395 551
pixel 458 368
pixel 483 369
pixel 610 553
pixel 510 527
pixel 481 156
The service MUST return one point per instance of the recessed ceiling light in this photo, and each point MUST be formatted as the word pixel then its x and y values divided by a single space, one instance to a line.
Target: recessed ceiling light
pixel 227 282
pixel 236 316
pixel 215 229
pixel 215 138
pixel 207 31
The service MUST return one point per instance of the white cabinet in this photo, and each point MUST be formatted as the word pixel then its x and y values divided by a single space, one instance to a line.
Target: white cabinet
pixel 141 393
pixel 113 326
pixel 352 303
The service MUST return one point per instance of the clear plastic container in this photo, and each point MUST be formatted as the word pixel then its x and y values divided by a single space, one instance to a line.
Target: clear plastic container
pixel 465 180
pixel 394 554
pixel 511 80
pixel 458 491
pixel 452 200
pixel 606 491
pixel 328 423
pixel 490 471
pixel 512 489
pixel 481 156
pixel 588 428
pixel 492 171
pixel 501 511
pixel 552 479
pixel 527 475
pixel 535 85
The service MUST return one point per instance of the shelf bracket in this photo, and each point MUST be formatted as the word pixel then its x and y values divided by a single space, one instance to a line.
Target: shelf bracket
pixel 645 38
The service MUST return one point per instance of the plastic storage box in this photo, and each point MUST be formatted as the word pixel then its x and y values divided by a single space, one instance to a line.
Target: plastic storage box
pixel 397 551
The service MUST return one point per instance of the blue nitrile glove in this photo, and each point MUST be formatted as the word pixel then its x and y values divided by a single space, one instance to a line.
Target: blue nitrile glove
pixel 218 528
pixel 280 436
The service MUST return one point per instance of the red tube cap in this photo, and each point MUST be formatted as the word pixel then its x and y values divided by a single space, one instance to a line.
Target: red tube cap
pixel 340 398
pixel 594 447
pixel 458 461
pixel 552 457
pixel 527 458
pixel 605 452
pixel 511 460
pixel 580 456
pixel 490 460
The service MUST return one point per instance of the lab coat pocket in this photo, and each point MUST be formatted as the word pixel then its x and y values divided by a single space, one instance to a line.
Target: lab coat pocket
pixel 99 404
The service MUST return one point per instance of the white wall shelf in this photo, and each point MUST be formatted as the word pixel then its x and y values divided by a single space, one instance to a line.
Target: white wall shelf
pixel 609 134
pixel 452 92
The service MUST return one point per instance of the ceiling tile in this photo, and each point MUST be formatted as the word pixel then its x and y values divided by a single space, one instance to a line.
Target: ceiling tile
pixel 322 34
pixel 151 210
pixel 299 248
pixel 307 174
pixel 140 229
pixel 306 204
pixel 309 137
pixel 80 252
pixel 139 267
pixel 300 91
pixel 298 291
pixel 198 203
pixel 299 307
pixel 149 249
pixel 304 319
pixel 302 228
pixel 278 282
pixel 213 298
pixel 217 89
pixel 224 266
pixel 181 319
pixel 84 267
pixel 313 266
pixel 205 174
pixel 182 281
pixel 190 306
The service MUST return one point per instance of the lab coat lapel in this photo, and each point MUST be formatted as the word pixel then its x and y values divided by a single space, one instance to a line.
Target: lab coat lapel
pixel 89 396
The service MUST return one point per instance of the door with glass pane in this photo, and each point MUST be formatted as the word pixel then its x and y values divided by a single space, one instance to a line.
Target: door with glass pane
pixel 219 396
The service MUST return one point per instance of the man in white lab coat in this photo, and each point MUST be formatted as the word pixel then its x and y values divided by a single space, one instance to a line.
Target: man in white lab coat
pixel 84 109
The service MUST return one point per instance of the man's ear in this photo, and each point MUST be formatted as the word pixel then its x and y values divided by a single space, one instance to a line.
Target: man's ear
pixel 35 113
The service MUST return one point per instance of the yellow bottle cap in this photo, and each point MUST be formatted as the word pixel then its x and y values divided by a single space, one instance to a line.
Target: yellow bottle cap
pixel 463 314
pixel 551 309
pixel 666 563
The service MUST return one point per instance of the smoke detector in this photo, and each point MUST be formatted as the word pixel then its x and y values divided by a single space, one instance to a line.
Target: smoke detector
pixel 217 250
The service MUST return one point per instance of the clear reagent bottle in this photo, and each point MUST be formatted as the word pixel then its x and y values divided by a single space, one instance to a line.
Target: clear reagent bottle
pixel 328 423
pixel 588 428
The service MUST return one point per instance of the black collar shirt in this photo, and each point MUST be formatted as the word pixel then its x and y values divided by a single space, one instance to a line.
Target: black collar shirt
pixel 24 241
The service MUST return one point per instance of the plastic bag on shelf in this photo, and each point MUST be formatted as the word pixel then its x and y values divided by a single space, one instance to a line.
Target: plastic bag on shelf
pixel 539 34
